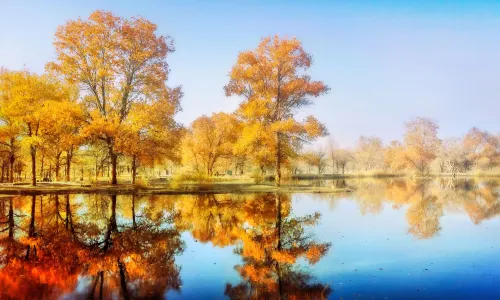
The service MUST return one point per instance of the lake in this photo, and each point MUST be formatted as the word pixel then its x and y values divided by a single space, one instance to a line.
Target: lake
pixel 388 239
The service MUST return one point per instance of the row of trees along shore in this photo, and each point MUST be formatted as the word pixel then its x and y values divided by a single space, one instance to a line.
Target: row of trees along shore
pixel 103 107
pixel 421 152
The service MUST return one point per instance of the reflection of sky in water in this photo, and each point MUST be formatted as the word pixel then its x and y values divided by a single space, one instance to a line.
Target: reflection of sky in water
pixel 372 256
pixel 205 270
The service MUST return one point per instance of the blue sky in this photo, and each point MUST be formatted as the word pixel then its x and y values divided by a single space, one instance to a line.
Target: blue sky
pixel 385 61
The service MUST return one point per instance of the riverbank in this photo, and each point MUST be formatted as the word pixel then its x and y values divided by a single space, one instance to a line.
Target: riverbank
pixel 164 189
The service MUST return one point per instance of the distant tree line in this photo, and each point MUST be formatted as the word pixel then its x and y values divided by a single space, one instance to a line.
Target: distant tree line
pixel 421 151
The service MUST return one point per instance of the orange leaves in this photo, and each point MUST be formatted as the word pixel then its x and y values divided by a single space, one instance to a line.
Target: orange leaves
pixel 261 276
pixel 209 140
pixel 284 257
pixel 121 65
pixel 35 108
pixel 273 81
pixel 101 126
pixel 316 252
pixel 395 157
pixel 421 142
pixel 314 128
pixel 112 55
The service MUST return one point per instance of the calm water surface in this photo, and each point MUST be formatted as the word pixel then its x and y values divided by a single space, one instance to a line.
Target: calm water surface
pixel 390 239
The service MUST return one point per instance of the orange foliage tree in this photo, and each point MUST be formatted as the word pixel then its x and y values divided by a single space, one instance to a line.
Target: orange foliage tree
pixel 210 139
pixel 28 102
pixel 274 84
pixel 421 143
pixel 151 134
pixel 118 62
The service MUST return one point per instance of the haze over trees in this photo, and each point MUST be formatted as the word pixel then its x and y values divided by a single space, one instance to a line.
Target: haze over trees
pixel 103 112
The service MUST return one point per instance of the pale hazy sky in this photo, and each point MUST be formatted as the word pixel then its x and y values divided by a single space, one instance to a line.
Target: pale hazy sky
pixel 385 61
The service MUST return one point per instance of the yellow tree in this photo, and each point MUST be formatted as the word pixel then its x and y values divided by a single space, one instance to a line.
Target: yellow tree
pixel 274 83
pixel 369 152
pixel 118 62
pixel 395 157
pixel 61 132
pixel 210 139
pixel 481 148
pixel 316 158
pixel 27 102
pixel 421 143
pixel 151 134
pixel 9 144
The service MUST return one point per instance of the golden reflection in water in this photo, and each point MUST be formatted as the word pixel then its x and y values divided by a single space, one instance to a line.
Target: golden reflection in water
pixel 425 201
pixel 101 246
pixel 49 243
pixel 268 238
pixel 126 247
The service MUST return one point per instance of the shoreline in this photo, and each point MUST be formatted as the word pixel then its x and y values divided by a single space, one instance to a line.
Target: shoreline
pixel 193 189
pixel 221 187
pixel 382 176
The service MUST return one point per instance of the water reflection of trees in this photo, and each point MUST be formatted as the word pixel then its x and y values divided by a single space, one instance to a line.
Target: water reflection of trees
pixel 426 201
pixel 271 247
pixel 268 237
pixel 102 246
pixel 52 244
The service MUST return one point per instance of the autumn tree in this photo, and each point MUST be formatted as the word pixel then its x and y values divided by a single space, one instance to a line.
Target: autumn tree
pixel 118 63
pixel 151 134
pixel 273 81
pixel 341 158
pixel 451 156
pixel 9 144
pixel 369 152
pixel 421 143
pixel 210 139
pixel 61 135
pixel 395 157
pixel 28 100
pixel 482 149
pixel 317 158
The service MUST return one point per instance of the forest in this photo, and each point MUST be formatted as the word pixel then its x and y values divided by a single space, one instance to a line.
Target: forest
pixel 103 112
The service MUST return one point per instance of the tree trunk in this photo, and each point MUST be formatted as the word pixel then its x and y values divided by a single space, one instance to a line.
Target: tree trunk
pixel 278 160
pixel 58 165
pixel 123 280
pixel 134 223
pixel 31 231
pixel 33 165
pixel 69 157
pixel 134 168
pixel 279 245
pixel 41 167
pixel 12 159
pixel 113 157
pixel 11 219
